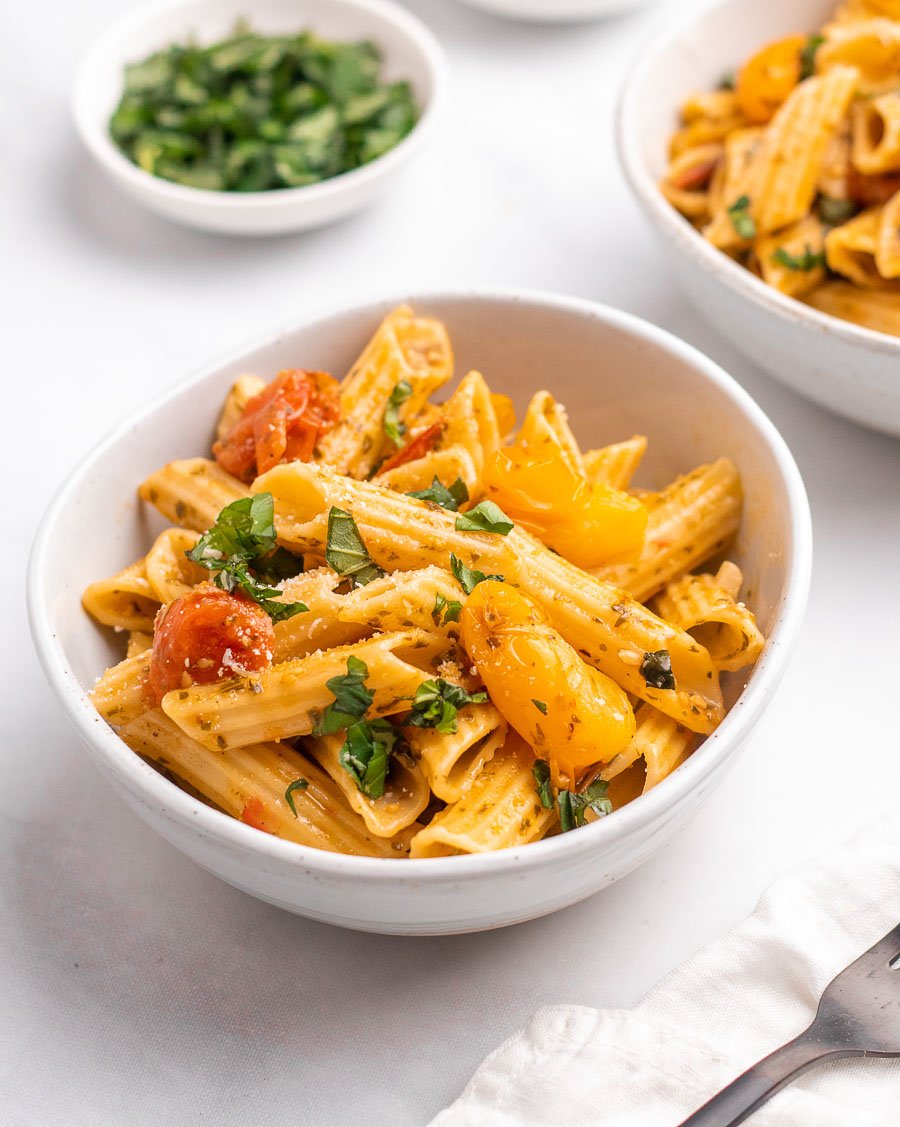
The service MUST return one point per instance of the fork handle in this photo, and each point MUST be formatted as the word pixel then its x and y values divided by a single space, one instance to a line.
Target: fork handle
pixel 752 1088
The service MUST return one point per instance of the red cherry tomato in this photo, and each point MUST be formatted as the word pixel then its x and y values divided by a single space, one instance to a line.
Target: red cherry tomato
pixel 207 635
pixel 416 448
pixel 281 424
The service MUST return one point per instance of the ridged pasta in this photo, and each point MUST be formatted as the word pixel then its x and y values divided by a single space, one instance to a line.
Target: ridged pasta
pixel 169 571
pixel 118 694
pixel 192 492
pixel 125 601
pixel 616 464
pixel 452 761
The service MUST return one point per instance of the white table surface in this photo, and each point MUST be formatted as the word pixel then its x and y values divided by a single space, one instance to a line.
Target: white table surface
pixel 135 987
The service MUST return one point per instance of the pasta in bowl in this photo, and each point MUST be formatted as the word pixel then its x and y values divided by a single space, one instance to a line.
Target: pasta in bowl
pixel 759 139
pixel 386 631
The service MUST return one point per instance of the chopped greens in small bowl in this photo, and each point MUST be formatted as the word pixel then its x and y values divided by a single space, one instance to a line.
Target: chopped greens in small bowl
pixel 253 113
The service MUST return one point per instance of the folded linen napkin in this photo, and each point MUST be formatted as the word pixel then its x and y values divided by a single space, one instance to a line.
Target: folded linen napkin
pixel 730 1004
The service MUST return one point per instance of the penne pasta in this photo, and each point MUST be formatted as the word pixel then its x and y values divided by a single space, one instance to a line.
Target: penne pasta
pixel 118 695
pixel 191 493
pixel 169 571
pixel 125 601
pixel 617 464
pixel 452 760
pixel 242 391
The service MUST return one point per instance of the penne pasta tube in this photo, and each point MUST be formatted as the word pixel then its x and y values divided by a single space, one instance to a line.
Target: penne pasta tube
pixel 692 519
pixel 406 792
pixel 500 809
pixel 138 643
pixel 659 740
pixel 871 47
pixel 605 625
pixel 125 601
pixel 852 247
pixel 319 628
pixel 873 309
pixel 251 784
pixel 118 694
pixel 793 260
pixel 191 493
pixel 876 133
pixel 170 572
pixel 705 606
pixel 404 348
pixel 617 464
pixel 470 420
pixel 887 245
pixel 242 391
pixel 546 421
pixel 445 465
pixel 287 699
pixel 452 761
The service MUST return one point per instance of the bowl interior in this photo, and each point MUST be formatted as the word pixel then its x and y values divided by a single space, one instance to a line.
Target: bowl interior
pixel 614 383
pixel 697 55
pixel 100 78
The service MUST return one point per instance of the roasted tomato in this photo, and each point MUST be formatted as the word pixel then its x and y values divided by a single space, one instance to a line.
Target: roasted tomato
pixel 416 448
pixel 281 424
pixel 588 524
pixel 766 79
pixel 571 714
pixel 204 636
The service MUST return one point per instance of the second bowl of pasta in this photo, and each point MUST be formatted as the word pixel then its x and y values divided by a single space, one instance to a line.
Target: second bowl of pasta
pixel 759 140
pixel 427 617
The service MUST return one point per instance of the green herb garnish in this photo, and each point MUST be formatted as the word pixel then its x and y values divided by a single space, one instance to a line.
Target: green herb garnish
pixel 436 704
pixel 541 772
pixel 345 551
pixel 573 807
pixel 394 428
pixel 656 669
pixel 445 610
pixel 805 262
pixel 834 212
pixel 469 577
pixel 257 112
pixel 728 81
pixel 351 699
pixel 808 56
pixel 366 752
pixel 451 498
pixel 242 551
pixel 485 517
pixel 741 219
pixel 540 705
pixel 297 784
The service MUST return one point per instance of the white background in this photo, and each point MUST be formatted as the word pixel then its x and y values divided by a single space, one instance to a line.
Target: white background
pixel 134 987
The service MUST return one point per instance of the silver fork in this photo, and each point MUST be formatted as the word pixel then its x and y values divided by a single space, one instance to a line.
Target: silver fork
pixel 858 1016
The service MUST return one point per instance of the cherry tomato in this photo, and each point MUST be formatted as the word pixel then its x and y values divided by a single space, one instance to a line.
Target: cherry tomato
pixel 281 424
pixel 416 448
pixel 588 524
pixel 204 636
pixel 571 714
pixel 768 77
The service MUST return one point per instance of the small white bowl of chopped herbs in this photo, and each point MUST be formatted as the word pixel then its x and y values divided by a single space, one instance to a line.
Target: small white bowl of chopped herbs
pixel 258 117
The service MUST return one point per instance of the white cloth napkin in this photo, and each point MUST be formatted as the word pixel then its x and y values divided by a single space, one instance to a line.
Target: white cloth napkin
pixel 705 1022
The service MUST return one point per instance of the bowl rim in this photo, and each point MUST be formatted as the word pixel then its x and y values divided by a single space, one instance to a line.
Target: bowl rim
pixel 101 146
pixel 166 799
pixel 688 240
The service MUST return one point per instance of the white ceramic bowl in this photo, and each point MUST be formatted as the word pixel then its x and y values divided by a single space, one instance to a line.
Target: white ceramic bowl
pixel 851 370
pixel 409 52
pixel 556 11
pixel 618 376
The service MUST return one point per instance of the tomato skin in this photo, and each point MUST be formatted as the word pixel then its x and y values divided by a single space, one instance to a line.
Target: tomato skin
pixel 194 634
pixel 282 423
pixel 768 77
pixel 588 524
pixel 416 448
pixel 582 718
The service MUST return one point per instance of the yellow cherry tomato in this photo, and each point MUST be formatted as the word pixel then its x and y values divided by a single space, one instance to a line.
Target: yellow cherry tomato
pixel 588 524
pixel 766 79
pixel 570 713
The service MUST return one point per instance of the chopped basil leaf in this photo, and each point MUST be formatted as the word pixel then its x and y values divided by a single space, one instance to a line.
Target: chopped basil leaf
pixel 436 703
pixel 808 56
pixel 741 219
pixel 485 517
pixel 351 699
pixel 345 551
pixel 541 772
pixel 450 498
pixel 468 577
pixel 445 610
pixel 539 705
pixel 805 262
pixel 656 669
pixel 573 807
pixel 366 752
pixel 297 784
pixel 728 80
pixel 393 427
pixel 834 212
pixel 242 551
